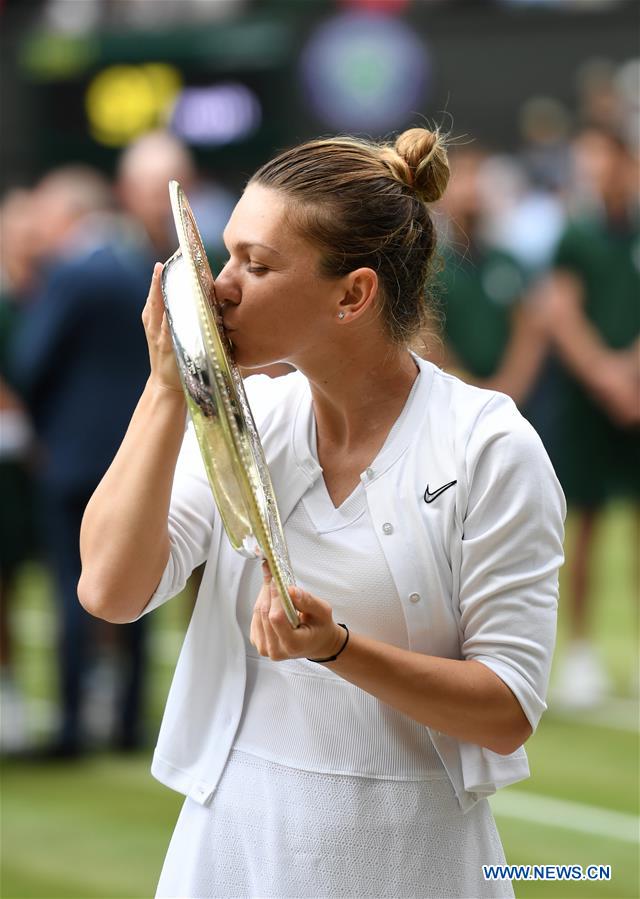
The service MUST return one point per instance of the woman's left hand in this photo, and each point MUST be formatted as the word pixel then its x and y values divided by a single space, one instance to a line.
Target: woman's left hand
pixel 317 637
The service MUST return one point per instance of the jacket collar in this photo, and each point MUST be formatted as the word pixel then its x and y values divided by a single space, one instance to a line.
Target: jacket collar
pixel 303 433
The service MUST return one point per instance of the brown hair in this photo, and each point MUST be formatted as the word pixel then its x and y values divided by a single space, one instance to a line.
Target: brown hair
pixel 365 205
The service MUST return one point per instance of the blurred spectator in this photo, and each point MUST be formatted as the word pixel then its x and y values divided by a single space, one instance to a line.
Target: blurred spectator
pixel 491 337
pixel 599 101
pixel 544 126
pixel 594 321
pixel 144 171
pixel 523 219
pixel 79 361
pixel 17 520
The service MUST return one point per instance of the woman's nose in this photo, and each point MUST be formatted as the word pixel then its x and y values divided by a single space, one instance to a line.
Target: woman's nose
pixel 227 290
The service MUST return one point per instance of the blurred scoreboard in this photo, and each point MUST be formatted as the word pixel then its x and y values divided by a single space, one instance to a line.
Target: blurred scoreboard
pixel 223 88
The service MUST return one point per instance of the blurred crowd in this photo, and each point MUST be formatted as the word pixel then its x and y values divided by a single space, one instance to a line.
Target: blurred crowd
pixel 538 297
pixel 77 256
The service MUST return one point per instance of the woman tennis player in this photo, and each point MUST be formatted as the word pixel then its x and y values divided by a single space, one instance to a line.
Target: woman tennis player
pixel 351 756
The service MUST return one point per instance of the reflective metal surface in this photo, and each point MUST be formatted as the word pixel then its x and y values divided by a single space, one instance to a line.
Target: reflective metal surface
pixel 218 405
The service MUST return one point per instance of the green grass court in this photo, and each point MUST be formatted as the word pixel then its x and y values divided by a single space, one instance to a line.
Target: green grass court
pixel 99 827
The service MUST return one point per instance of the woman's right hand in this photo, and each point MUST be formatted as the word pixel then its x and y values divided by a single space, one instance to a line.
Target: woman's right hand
pixel 164 369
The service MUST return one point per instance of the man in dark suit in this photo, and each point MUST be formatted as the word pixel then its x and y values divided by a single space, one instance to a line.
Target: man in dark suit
pixel 79 361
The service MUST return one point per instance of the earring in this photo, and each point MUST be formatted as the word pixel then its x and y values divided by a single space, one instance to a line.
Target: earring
pixel 340 314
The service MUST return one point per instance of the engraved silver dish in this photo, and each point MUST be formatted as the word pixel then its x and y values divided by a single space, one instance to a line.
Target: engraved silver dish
pixel 227 435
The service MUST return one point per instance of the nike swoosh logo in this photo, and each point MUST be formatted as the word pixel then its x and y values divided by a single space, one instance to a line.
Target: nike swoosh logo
pixel 429 497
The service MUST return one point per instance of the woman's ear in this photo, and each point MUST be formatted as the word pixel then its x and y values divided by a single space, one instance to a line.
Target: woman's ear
pixel 360 290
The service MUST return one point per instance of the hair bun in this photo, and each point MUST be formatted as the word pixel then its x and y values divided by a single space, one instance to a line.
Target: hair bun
pixel 419 160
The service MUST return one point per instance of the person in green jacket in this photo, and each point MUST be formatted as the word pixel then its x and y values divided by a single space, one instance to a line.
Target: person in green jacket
pixel 491 334
pixel 593 313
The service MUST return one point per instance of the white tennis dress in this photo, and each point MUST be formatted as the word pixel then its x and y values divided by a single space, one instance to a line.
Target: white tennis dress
pixel 328 792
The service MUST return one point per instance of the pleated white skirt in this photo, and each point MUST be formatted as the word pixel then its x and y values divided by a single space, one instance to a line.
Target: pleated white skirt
pixel 273 832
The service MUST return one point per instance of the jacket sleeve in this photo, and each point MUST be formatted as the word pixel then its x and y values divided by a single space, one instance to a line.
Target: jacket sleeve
pixel 193 514
pixel 192 518
pixel 511 553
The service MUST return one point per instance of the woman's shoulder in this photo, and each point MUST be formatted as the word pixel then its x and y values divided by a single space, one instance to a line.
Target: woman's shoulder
pixel 480 419
pixel 466 405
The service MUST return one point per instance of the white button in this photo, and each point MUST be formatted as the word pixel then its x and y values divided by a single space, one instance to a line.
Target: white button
pixel 369 473
pixel 414 597
pixel 387 528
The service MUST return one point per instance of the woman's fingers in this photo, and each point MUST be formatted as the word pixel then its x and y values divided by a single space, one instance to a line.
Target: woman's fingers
pixel 164 370
pixel 259 633
pixel 269 624
pixel 271 621
pixel 153 313
pixel 277 615
pixel 256 634
pixel 165 342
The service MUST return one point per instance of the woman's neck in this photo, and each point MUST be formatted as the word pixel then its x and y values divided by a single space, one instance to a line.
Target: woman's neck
pixel 360 395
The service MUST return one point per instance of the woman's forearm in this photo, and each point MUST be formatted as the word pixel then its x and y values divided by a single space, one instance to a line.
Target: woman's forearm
pixel 124 540
pixel 464 699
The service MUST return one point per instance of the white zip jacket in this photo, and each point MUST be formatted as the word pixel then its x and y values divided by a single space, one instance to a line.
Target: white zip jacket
pixel 475 568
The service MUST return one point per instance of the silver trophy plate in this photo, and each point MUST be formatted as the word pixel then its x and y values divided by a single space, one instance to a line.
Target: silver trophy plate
pixel 227 435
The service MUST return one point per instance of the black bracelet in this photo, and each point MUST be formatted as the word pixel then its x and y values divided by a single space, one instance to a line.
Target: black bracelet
pixel 342 648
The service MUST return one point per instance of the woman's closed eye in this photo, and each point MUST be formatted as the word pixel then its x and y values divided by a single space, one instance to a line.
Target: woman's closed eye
pixel 254 268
